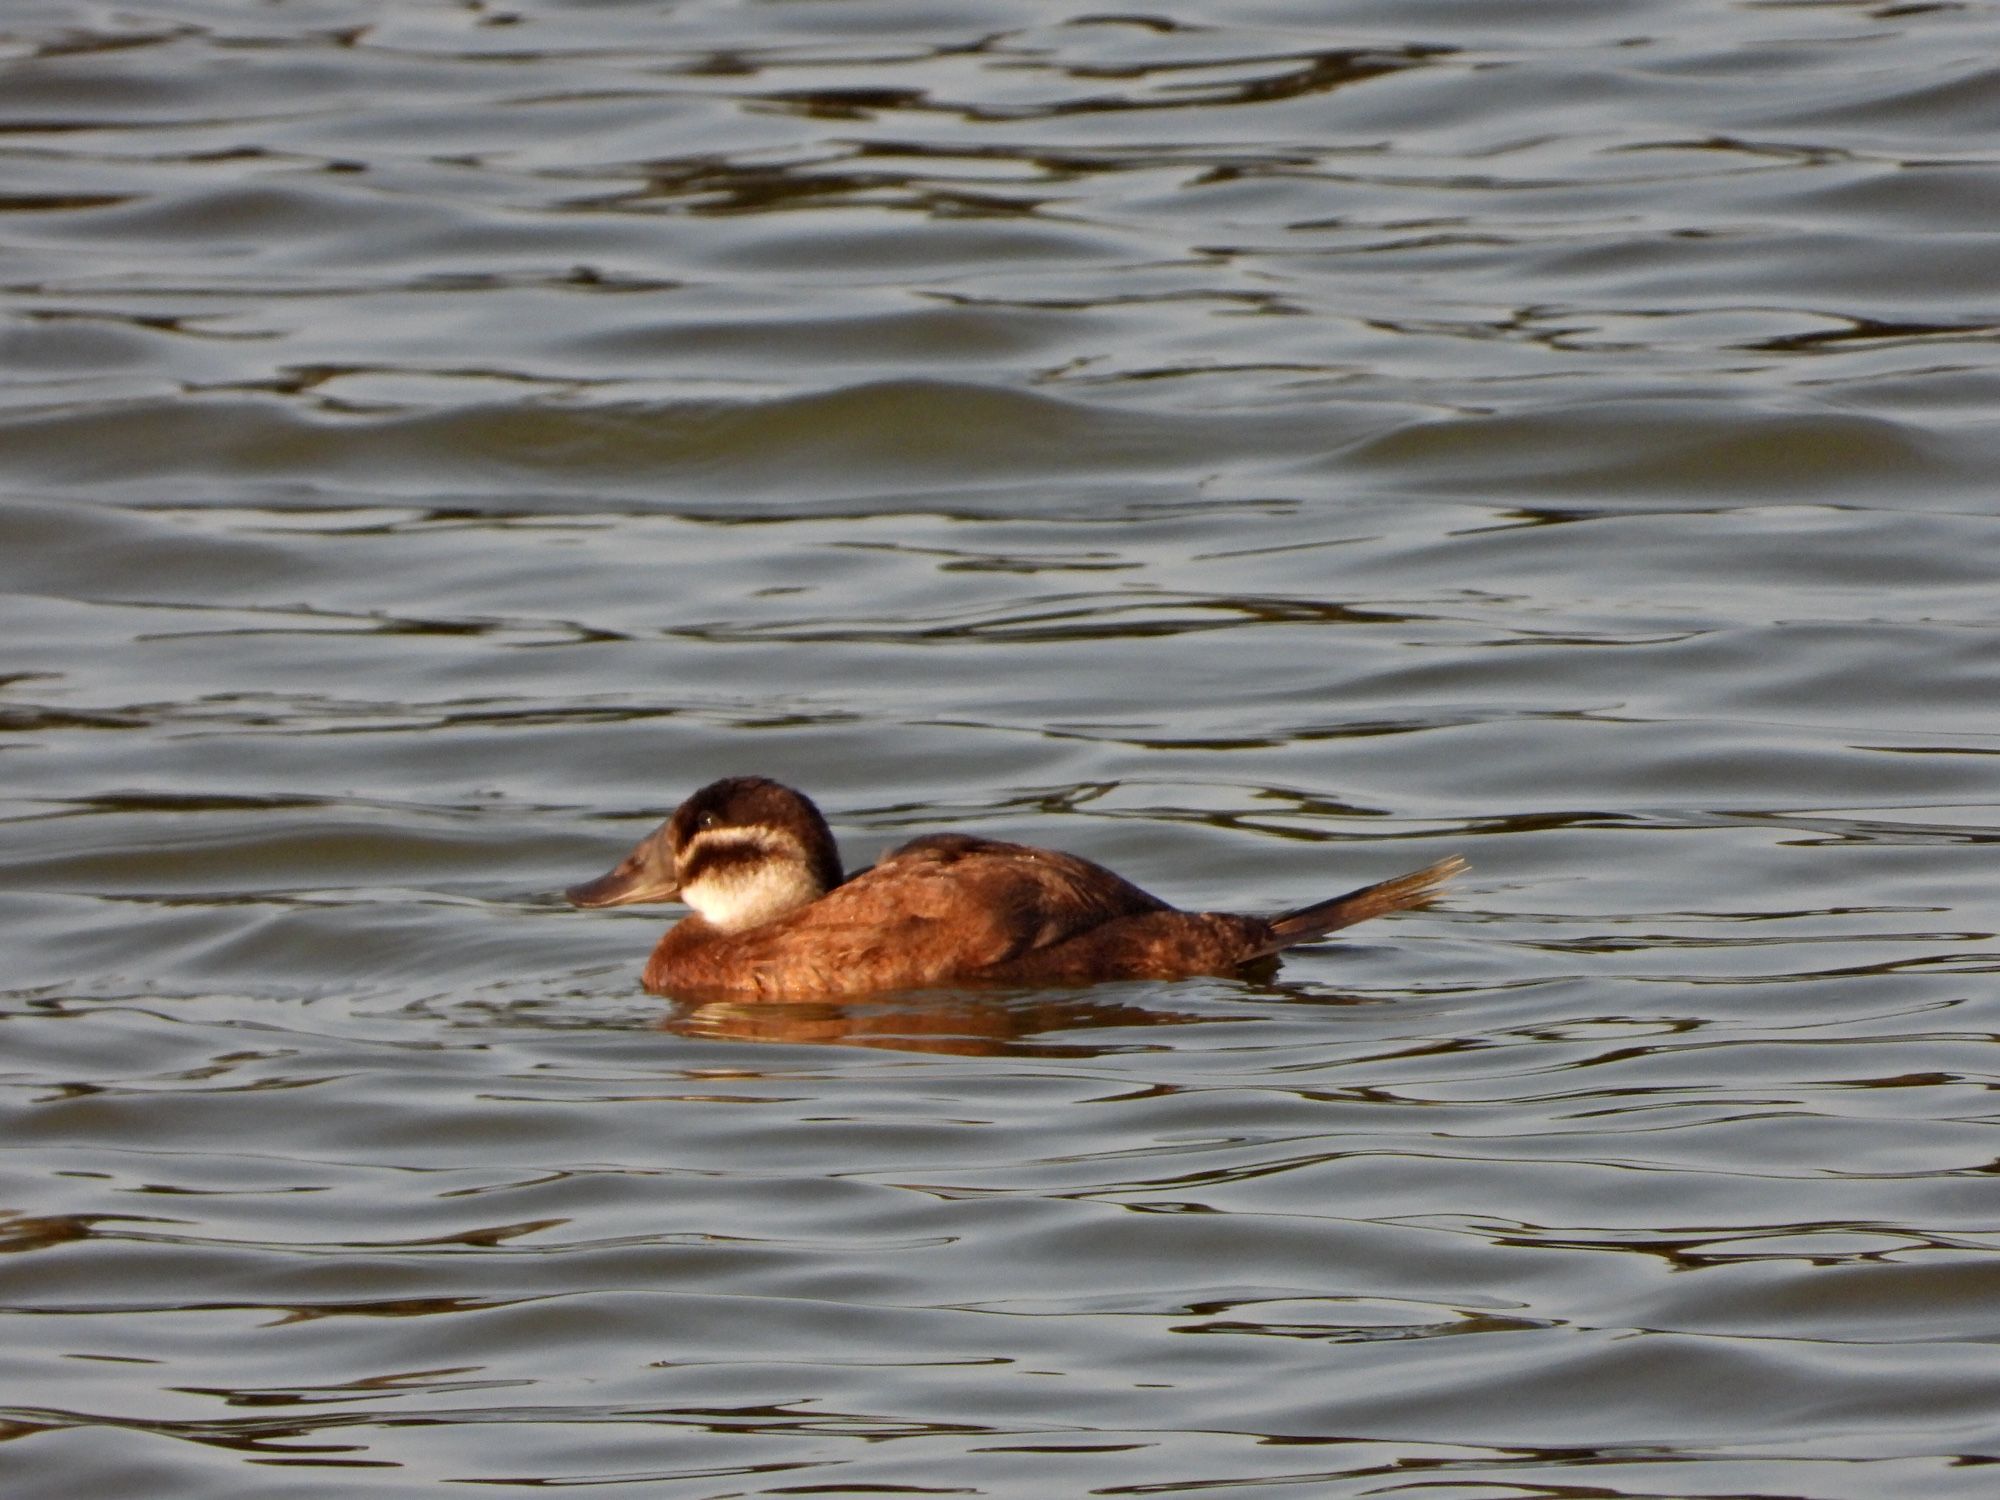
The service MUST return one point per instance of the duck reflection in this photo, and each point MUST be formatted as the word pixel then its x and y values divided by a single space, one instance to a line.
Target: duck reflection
pixel 969 1023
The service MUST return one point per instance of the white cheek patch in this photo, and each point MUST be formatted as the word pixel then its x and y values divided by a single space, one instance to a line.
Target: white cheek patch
pixel 752 876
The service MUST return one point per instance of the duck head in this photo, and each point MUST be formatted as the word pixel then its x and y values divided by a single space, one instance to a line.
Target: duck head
pixel 741 852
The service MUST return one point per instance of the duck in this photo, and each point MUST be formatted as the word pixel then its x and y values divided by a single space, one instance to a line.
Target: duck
pixel 775 917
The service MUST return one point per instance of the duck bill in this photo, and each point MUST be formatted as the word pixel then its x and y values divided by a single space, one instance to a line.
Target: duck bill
pixel 641 876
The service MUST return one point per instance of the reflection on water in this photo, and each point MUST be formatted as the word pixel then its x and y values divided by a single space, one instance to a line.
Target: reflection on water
pixel 969 1024
pixel 1260 453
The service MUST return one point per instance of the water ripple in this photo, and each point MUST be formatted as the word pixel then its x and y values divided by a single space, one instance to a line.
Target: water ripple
pixel 1263 453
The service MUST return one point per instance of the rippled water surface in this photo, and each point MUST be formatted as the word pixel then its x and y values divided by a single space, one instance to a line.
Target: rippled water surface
pixel 1263 447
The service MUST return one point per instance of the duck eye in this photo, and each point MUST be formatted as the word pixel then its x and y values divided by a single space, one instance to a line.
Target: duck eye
pixel 706 820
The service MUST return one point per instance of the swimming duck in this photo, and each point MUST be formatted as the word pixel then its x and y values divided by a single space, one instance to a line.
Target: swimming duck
pixel 775 918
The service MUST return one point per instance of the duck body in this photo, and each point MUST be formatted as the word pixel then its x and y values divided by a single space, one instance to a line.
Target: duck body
pixel 773 917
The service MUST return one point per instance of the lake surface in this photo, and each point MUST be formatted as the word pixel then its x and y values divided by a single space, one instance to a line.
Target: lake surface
pixel 1262 447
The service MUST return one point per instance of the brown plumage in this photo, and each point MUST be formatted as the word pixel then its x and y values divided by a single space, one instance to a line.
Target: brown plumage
pixel 773 918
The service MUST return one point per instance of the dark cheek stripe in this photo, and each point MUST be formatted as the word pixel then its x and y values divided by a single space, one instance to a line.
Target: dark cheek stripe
pixel 719 859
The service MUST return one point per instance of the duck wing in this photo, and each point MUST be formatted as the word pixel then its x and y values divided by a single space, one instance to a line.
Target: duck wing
pixel 1021 897
pixel 942 909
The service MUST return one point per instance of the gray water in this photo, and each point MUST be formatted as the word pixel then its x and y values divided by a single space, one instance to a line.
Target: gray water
pixel 1262 447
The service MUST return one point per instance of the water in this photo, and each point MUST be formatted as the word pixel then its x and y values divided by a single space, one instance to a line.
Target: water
pixel 1263 451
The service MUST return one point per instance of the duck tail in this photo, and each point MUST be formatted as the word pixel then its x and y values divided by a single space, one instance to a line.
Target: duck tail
pixel 1418 888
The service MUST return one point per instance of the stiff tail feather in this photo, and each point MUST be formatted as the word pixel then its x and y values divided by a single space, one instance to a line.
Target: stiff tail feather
pixel 1418 888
